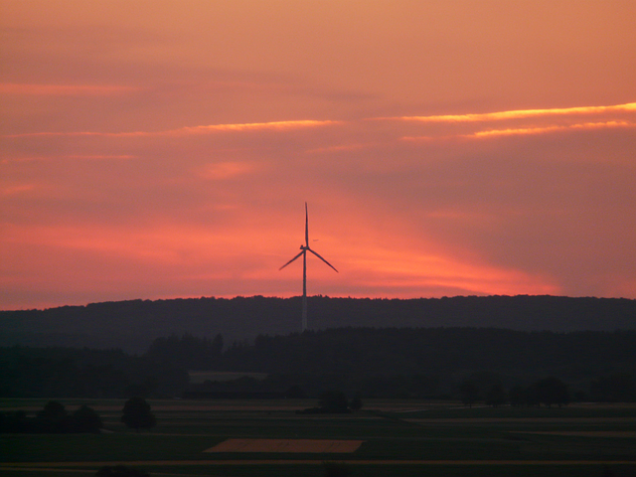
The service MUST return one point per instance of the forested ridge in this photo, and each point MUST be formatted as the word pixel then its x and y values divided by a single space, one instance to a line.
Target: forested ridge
pixel 389 362
pixel 133 325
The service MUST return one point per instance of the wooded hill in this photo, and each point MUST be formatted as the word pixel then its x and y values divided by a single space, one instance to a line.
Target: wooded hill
pixel 133 325
pixel 388 362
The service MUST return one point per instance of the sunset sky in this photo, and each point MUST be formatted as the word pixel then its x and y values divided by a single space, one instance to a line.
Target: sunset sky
pixel 160 149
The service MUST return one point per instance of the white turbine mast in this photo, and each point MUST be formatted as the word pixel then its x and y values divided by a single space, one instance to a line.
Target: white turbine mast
pixel 303 251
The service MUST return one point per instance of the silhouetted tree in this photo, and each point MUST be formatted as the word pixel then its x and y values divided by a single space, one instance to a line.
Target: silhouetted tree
pixel 53 411
pixel 333 401
pixel 469 393
pixel 580 396
pixel 85 419
pixel 295 392
pixel 551 391
pixel 53 418
pixel 618 387
pixel 496 396
pixel 531 395
pixel 137 414
pixel 356 403
pixel 517 396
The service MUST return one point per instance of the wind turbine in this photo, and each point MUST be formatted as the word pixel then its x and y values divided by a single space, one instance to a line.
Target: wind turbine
pixel 303 251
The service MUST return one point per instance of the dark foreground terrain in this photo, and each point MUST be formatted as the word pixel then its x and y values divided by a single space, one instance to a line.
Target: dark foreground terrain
pixel 395 437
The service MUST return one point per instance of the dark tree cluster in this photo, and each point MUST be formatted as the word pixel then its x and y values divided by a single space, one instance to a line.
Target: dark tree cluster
pixel 436 352
pixel 137 414
pixel 376 363
pixel 548 391
pixel 85 373
pixel 301 385
pixel 334 402
pixel 53 419
pixel 618 387
pixel 469 393
pixel 187 351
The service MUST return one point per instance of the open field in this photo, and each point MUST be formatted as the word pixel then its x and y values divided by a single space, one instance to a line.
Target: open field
pixel 318 446
pixel 397 438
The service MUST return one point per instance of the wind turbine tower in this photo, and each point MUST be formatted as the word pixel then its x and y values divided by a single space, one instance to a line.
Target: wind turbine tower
pixel 303 251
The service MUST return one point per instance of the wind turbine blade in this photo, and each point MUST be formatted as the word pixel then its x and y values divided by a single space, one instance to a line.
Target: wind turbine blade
pixel 291 260
pixel 322 259
pixel 306 227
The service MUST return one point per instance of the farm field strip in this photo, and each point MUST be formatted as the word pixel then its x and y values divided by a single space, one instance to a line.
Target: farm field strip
pixel 522 420
pixel 287 445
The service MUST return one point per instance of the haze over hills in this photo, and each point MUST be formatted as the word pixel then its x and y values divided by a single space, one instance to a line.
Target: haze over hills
pixel 133 325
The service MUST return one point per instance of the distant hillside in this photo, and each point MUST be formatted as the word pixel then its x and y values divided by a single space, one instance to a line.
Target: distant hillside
pixel 133 325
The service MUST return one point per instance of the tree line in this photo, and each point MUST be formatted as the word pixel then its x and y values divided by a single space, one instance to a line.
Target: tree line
pixel 54 419
pixel 86 373
pixel 390 362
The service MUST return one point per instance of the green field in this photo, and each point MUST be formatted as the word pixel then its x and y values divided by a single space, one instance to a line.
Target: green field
pixel 401 438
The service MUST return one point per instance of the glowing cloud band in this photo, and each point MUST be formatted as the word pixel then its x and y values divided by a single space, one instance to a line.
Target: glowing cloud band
pixel 185 131
pixel 528 131
pixel 517 114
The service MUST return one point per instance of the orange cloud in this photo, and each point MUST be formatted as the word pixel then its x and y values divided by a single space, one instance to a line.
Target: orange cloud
pixel 527 131
pixel 549 129
pixel 64 90
pixel 517 114
pixel 102 156
pixel 274 125
pixel 344 147
pixel 185 131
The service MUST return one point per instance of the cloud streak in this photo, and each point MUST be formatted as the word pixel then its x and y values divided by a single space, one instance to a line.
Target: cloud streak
pixel 281 126
pixel 516 114
pixel 196 130
pixel 550 129
pixel 528 131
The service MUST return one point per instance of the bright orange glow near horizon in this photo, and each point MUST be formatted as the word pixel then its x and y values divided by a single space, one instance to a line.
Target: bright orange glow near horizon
pixel 161 149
